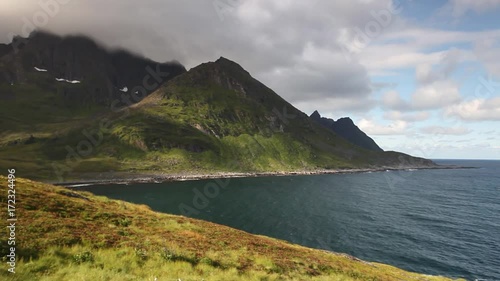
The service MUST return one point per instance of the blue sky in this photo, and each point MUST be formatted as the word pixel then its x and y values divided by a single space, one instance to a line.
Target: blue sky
pixel 456 127
pixel 421 77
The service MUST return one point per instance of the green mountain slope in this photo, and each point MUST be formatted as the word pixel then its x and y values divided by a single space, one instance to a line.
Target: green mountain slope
pixel 215 117
pixel 68 235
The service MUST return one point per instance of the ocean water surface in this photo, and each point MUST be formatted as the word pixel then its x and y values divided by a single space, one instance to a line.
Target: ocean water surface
pixel 440 222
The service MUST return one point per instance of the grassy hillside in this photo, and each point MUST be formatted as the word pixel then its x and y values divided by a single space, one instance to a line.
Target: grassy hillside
pixel 214 118
pixel 68 235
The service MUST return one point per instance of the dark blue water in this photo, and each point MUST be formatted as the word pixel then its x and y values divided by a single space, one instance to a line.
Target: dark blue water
pixel 440 222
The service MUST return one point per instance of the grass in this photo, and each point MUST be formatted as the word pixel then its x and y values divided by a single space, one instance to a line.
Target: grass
pixel 69 235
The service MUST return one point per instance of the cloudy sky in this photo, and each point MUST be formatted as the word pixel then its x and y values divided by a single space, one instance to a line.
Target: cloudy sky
pixel 422 77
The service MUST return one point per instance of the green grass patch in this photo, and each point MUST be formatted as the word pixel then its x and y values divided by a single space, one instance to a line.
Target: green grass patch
pixel 71 235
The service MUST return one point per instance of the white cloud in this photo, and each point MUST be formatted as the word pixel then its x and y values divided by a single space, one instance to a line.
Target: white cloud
pixel 393 100
pixel 372 128
pixel 422 38
pixel 337 106
pixel 408 47
pixel 488 52
pixel 315 75
pixel 476 110
pixel 423 72
pixel 427 73
pixel 446 149
pixel 407 117
pixel 460 7
pixel 436 95
pixel 383 58
pixel 432 96
pixel 291 46
pixel 438 130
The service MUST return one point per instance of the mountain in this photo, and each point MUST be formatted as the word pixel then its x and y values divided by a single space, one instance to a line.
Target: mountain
pixel 56 63
pixel 346 128
pixel 213 118
pixel 4 49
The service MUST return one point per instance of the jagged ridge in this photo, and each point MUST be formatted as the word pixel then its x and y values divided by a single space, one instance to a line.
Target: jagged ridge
pixel 346 128
pixel 102 73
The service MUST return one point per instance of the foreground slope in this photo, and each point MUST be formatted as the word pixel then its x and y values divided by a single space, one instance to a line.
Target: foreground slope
pixel 68 235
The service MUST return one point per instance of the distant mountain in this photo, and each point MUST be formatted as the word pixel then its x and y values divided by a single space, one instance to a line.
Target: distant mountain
pixel 346 128
pixel 103 74
pixel 4 49
pixel 213 118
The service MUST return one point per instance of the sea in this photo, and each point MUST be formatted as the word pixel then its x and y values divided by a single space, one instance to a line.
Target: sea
pixel 439 222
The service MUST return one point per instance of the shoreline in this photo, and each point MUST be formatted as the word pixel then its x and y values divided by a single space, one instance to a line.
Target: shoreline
pixel 145 178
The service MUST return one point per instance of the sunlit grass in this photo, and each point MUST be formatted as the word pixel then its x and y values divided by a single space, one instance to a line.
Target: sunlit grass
pixel 69 235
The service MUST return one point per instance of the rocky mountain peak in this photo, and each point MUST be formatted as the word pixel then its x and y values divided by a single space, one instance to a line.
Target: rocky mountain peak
pixel 345 121
pixel 315 115
pixel 346 128
pixel 79 69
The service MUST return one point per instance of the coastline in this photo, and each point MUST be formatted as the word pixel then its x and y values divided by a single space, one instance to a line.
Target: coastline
pixel 128 178
pixel 191 241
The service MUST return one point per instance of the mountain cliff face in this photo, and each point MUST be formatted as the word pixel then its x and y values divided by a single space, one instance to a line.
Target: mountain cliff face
pixel 79 70
pixel 346 128
pixel 4 49
pixel 213 118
